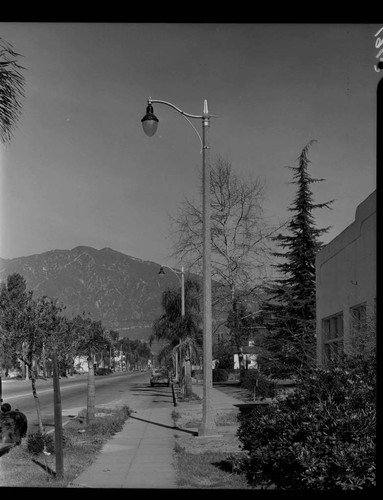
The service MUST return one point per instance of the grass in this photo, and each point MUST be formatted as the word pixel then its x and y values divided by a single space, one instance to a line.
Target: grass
pixel 207 470
pixel 19 467
pixel 201 467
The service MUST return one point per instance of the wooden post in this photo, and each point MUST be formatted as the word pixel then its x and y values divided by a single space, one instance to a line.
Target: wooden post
pixel 58 420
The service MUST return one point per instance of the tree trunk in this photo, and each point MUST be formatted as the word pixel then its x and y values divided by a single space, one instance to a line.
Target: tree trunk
pixel 37 402
pixel 188 380
pixel 58 420
pixel 91 394
pixel 241 359
pixel 44 363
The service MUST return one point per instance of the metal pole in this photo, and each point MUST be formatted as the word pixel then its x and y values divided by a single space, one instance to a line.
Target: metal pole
pixel 208 426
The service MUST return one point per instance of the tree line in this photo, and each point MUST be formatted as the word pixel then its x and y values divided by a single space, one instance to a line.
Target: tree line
pixel 34 330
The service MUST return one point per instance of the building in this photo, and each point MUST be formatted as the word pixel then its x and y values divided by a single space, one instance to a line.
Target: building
pixel 250 356
pixel 346 284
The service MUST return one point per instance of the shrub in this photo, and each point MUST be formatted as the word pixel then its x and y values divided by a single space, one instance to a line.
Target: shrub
pixel 264 388
pixel 37 440
pixel 103 371
pixel 198 374
pixel 109 424
pixel 321 437
pixel 220 375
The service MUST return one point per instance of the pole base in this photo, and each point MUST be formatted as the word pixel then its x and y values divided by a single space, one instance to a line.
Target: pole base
pixel 208 432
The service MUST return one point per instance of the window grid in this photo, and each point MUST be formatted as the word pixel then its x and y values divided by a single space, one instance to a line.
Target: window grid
pixel 332 328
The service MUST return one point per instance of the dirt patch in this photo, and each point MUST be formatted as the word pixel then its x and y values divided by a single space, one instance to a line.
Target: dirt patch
pixel 188 417
pixel 235 390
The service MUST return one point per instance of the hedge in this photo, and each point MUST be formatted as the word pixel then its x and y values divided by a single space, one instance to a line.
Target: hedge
pixel 321 437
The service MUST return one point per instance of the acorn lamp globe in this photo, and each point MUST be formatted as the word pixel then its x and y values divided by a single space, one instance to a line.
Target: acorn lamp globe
pixel 149 122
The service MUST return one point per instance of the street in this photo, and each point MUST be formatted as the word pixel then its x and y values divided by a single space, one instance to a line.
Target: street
pixel 132 389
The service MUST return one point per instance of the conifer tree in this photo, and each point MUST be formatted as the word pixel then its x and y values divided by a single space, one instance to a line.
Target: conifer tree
pixel 291 297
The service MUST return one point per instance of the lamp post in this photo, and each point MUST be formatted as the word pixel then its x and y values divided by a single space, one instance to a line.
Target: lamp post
pixel 150 124
pixel 182 281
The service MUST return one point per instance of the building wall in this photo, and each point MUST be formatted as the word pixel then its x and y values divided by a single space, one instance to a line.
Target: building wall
pixel 346 278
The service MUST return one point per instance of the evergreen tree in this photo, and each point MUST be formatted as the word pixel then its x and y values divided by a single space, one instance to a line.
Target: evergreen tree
pixel 291 297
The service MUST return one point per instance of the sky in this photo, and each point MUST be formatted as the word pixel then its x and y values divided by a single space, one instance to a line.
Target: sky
pixel 80 170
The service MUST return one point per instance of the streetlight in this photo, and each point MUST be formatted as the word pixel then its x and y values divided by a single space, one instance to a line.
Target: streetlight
pixel 150 124
pixel 182 281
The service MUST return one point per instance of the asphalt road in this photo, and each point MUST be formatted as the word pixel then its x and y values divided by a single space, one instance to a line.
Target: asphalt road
pixel 132 389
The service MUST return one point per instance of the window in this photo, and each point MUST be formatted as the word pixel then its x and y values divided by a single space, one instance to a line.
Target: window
pixel 358 319
pixel 332 328
pixel 362 328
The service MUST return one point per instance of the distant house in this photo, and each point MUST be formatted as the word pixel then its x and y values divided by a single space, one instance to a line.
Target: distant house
pixel 346 284
pixel 249 353
pixel 81 364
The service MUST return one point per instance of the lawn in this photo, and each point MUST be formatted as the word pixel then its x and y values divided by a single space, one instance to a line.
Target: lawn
pixel 20 468
pixel 208 470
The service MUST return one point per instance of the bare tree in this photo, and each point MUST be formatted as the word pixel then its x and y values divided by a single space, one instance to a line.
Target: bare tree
pixel 240 234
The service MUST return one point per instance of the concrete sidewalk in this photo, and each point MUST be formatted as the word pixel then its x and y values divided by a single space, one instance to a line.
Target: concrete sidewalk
pixel 141 454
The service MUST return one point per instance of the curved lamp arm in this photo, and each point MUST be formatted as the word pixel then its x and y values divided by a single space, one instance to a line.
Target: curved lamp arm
pixel 150 101
pixel 150 121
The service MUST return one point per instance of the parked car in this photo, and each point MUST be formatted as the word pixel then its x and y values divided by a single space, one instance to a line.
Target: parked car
pixel 159 376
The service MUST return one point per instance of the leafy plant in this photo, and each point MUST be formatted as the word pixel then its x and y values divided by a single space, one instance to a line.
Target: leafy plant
pixel 321 437
pixel 220 375
pixel 253 381
pixel 291 297
pixel 37 441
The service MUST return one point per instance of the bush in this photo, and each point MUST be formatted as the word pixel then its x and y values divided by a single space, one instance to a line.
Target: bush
pixel 197 374
pixel 220 375
pixel 321 437
pixel 103 371
pixel 109 424
pixel 37 440
pixel 264 388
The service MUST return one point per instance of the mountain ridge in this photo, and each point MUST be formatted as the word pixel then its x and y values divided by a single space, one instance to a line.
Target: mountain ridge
pixel 123 292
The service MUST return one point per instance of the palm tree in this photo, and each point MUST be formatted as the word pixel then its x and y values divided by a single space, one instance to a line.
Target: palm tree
pixel 11 91
pixel 182 334
pixel 93 338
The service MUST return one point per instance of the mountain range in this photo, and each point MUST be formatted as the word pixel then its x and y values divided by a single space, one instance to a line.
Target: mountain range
pixel 122 291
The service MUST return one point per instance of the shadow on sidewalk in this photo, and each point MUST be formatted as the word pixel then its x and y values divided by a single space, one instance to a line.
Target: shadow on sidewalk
pixel 174 427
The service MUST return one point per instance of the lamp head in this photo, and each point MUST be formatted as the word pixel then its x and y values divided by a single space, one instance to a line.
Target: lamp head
pixel 149 121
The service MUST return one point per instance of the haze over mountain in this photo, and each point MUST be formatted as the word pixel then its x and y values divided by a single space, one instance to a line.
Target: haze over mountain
pixel 122 291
